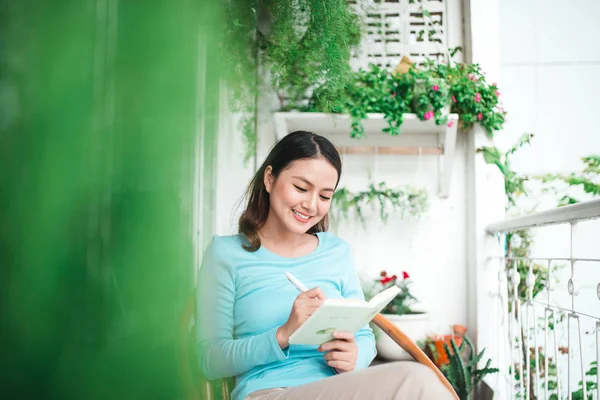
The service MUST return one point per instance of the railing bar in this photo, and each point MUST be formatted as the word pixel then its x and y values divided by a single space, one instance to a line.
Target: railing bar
pixel 572 228
pixel 567 214
pixel 518 312
pixel 546 363
pixel 525 335
pixel 546 259
pixel 598 360
pixel 569 354
pixel 529 282
pixel 537 354
pixel 556 354
pixel 581 360
pixel 567 310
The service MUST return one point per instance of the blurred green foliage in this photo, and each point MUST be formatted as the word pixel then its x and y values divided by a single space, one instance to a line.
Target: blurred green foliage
pixel 100 104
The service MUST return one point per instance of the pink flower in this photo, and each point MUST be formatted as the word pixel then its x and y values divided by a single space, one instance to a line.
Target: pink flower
pixel 479 116
pixel 393 94
pixel 436 88
pixel 470 76
pixel 494 84
pixel 450 124
pixel 405 275
pixel 497 93
pixel 477 97
pixel 453 98
pixel 428 115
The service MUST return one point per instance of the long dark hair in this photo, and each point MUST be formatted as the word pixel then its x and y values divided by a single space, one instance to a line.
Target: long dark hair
pixel 295 146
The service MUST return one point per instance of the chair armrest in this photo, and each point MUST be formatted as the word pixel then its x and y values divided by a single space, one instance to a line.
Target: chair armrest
pixel 411 348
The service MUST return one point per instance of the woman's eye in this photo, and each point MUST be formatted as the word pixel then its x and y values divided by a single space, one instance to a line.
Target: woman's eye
pixel 326 198
pixel 300 189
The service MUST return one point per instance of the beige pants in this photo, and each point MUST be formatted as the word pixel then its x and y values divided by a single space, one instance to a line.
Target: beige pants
pixel 392 381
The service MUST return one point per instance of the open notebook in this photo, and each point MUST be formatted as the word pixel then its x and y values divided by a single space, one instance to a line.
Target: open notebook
pixel 341 315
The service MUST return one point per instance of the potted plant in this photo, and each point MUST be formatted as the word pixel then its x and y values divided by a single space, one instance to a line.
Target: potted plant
pixel 430 91
pixel 455 356
pixel 413 323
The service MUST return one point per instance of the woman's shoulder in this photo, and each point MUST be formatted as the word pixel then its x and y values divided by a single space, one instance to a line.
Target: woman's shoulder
pixel 332 241
pixel 227 242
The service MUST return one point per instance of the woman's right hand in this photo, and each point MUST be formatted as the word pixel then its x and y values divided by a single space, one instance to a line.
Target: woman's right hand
pixel 304 306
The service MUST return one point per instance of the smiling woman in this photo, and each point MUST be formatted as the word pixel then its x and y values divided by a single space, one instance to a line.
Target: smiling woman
pixel 290 194
pixel 247 310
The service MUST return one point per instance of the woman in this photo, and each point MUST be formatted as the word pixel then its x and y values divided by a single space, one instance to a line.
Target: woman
pixel 247 309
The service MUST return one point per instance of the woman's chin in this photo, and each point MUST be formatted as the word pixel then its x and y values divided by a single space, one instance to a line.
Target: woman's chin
pixel 299 227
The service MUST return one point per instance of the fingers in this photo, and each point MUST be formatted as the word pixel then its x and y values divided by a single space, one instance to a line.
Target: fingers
pixel 335 345
pixel 341 352
pixel 312 293
pixel 339 356
pixel 341 366
pixel 349 336
pixel 341 361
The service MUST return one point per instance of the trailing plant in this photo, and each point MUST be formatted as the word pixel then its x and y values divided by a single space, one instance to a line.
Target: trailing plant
pixel 431 91
pixel 514 184
pixel 300 43
pixel 406 200
pixel 588 179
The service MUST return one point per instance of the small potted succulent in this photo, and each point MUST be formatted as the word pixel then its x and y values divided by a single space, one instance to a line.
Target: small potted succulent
pixel 399 311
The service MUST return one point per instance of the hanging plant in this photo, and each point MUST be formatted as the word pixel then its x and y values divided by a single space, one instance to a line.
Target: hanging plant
pixel 300 44
pixel 405 201
pixel 431 92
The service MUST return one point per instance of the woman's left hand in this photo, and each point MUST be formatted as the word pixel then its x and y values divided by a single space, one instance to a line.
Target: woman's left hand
pixel 342 352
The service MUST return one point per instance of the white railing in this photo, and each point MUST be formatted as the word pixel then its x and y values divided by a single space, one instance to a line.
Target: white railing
pixel 518 330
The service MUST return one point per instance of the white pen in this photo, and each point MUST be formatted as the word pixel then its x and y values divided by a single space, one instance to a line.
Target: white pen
pixel 299 285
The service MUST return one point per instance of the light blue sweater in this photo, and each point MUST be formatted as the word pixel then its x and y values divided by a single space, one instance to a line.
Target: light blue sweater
pixel 243 297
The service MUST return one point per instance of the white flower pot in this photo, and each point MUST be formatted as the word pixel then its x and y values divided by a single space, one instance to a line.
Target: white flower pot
pixel 415 326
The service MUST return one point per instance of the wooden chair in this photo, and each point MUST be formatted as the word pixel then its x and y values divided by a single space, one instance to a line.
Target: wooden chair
pixel 195 387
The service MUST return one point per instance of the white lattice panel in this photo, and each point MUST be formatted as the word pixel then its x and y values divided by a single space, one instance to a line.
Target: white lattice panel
pixel 395 28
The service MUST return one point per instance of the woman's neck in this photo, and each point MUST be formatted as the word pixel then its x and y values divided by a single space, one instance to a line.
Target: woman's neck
pixel 281 240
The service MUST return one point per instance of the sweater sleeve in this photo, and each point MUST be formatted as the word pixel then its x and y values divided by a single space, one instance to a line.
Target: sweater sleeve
pixel 365 340
pixel 219 353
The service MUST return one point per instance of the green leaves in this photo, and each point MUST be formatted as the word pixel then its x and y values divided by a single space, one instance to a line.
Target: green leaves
pixel 431 92
pixel 302 44
pixel 514 184
pixel 588 180
pixel 461 370
pixel 407 201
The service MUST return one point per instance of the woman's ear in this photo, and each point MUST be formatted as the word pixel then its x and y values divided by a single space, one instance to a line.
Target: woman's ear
pixel 268 178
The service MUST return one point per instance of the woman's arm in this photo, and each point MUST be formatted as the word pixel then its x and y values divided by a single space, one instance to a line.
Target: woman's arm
pixel 365 340
pixel 220 355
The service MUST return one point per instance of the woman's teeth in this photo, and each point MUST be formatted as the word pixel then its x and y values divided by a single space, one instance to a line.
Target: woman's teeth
pixel 300 215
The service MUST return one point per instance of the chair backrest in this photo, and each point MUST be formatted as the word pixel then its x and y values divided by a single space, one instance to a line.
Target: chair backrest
pixel 196 387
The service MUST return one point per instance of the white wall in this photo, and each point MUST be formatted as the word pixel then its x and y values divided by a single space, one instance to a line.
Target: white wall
pixel 550 58
pixel 550 69
pixel 233 174
pixel 431 250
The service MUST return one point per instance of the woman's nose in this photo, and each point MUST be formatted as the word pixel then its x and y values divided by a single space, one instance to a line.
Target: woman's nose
pixel 310 204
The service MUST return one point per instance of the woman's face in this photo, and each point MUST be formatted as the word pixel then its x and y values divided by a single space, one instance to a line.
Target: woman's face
pixel 301 195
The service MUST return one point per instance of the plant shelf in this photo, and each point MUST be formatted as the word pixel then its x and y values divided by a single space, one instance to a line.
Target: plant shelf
pixel 416 138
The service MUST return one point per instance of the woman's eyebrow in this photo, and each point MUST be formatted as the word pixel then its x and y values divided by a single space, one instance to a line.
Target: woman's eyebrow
pixel 310 183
